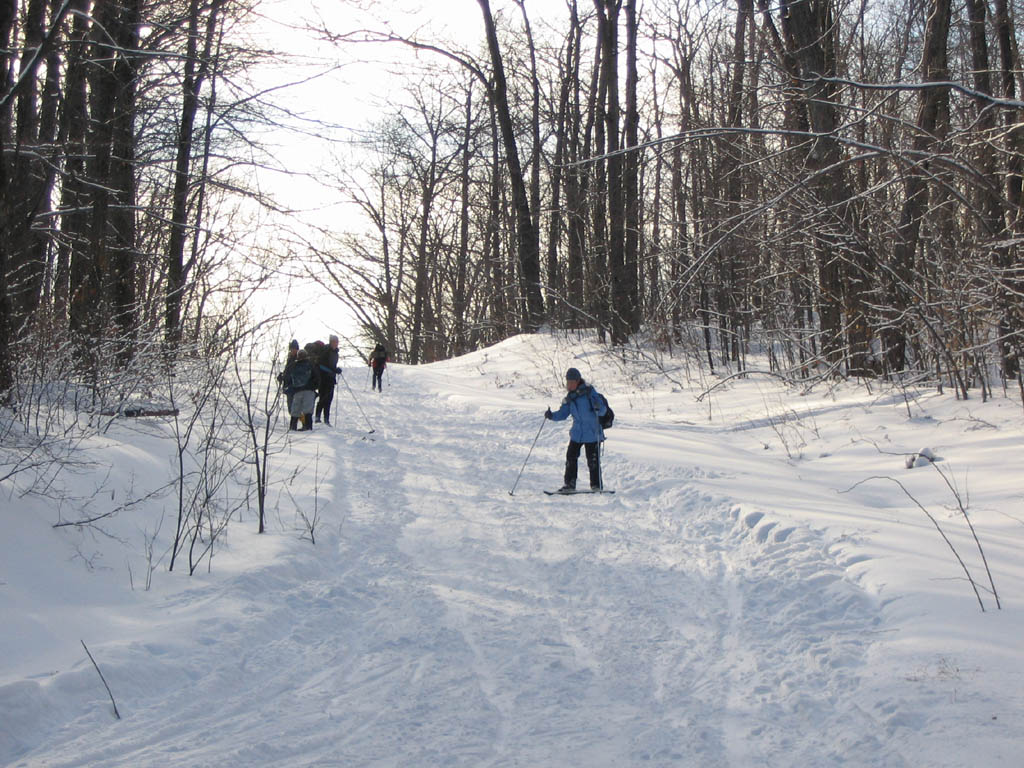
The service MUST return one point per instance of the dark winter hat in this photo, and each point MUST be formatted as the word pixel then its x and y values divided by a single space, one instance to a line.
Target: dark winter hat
pixel 572 375
pixel 333 339
pixel 293 344
pixel 302 355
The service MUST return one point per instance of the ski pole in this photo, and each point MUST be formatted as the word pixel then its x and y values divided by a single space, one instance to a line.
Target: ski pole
pixel 513 491
pixel 354 400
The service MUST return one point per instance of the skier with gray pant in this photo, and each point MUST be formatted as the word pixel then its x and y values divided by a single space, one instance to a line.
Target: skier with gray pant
pixel 301 382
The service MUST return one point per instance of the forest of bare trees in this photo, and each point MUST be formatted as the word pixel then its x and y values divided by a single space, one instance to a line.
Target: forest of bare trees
pixel 837 185
pixel 125 192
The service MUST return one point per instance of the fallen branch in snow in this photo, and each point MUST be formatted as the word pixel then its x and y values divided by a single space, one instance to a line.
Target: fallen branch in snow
pixel 1006 514
pixel 935 522
pixel 97 666
pixel 86 521
pixel 137 413
pixel 742 375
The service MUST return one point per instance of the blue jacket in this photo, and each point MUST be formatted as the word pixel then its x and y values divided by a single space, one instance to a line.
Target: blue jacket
pixel 584 405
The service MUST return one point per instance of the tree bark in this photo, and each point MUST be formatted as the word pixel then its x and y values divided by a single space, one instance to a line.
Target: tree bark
pixel 111 169
pixel 197 67
pixel 808 29
pixel 608 24
pixel 7 16
pixel 631 181
pixel 460 304
pixel 527 237
pixel 27 179
pixel 1011 286
pixel 933 105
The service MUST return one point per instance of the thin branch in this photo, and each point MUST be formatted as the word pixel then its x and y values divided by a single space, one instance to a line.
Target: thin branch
pixel 97 666
pixel 967 519
pixel 935 522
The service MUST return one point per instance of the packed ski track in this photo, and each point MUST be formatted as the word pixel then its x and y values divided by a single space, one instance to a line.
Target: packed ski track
pixel 441 621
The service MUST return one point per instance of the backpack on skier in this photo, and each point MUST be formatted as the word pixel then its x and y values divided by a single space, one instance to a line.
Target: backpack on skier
pixel 315 349
pixel 379 357
pixel 608 419
pixel 299 376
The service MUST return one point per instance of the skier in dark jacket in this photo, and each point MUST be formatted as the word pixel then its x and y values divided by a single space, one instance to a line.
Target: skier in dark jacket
pixel 293 350
pixel 378 361
pixel 329 371
pixel 586 407
pixel 301 378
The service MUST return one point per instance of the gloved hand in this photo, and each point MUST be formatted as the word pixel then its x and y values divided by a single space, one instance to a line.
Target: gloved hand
pixel 337 370
pixel 547 414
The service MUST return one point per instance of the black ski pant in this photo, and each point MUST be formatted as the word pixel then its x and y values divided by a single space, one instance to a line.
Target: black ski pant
pixel 572 456
pixel 323 403
pixel 378 377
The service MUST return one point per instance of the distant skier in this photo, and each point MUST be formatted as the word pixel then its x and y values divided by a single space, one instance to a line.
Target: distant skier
pixel 293 350
pixel 586 406
pixel 328 378
pixel 378 361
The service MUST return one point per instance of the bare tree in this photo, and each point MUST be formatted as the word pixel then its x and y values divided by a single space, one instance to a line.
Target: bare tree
pixel 197 68
pixel 527 236
pixel 258 413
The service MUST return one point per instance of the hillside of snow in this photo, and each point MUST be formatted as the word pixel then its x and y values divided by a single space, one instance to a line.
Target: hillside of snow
pixel 770 585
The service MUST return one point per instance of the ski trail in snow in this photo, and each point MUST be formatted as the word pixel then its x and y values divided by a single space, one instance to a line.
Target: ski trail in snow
pixel 613 630
pixel 439 621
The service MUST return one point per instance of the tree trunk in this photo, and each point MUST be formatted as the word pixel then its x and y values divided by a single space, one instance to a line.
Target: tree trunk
pixel 492 243
pixel 933 104
pixel 599 302
pixel 72 275
pixel 26 202
pixel 730 284
pixel 632 311
pixel 527 238
pixel 7 17
pixel 535 140
pixel 608 23
pixel 1011 287
pixel 423 263
pixel 460 306
pixel 808 28
pixel 195 73
pixel 111 271
pixel 556 285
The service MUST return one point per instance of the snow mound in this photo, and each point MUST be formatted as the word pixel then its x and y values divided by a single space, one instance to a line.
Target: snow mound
pixel 759 591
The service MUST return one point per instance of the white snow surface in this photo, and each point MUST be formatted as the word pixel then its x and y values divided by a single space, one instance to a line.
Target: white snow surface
pixel 759 591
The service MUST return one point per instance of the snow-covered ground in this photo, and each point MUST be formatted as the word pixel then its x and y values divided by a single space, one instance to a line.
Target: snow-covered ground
pixel 765 588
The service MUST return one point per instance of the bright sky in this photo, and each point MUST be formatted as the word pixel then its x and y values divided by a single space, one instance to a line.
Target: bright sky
pixel 338 91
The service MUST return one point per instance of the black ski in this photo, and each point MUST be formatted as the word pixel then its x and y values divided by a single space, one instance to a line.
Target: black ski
pixel 581 490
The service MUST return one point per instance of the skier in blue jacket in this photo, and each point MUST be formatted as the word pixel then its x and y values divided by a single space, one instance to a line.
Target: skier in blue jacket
pixel 586 407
